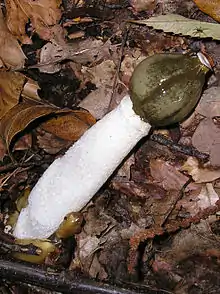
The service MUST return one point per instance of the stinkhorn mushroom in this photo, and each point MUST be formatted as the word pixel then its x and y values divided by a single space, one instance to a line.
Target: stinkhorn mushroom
pixel 164 89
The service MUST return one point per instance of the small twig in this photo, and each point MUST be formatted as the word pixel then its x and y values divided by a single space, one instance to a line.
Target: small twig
pixel 180 196
pixel 65 282
pixel 12 166
pixel 7 177
pixel 111 103
pixel 191 151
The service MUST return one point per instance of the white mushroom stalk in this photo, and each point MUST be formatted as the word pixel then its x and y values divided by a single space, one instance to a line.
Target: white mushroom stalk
pixel 72 180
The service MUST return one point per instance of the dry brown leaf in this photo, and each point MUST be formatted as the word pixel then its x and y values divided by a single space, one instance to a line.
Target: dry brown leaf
pixel 102 75
pixel 205 135
pixel 87 248
pixel 41 13
pixel 11 53
pixel 209 104
pixel 211 8
pixel 50 55
pixel 69 126
pixel 200 175
pixel 197 239
pixel 51 144
pixel 194 203
pixel 82 51
pixel 11 85
pixel 53 53
pixel 20 116
pixel 97 102
pixel 167 175
pixel 206 139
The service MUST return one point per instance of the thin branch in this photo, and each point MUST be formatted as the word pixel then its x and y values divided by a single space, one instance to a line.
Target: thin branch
pixel 12 166
pixel 65 282
pixel 116 78
pixel 187 150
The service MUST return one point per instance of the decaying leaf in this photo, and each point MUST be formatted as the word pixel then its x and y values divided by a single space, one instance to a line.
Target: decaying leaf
pixel 196 202
pixel 177 24
pixel 190 243
pixel 87 248
pixel 53 53
pixel 11 85
pixel 70 125
pixel 209 104
pixel 167 175
pixel 51 144
pixel 41 13
pixel 200 175
pixel 50 55
pixel 11 53
pixel 211 8
pixel 102 75
pixel 82 51
pixel 206 139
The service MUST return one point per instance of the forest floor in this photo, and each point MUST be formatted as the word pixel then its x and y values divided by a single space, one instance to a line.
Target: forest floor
pixel 153 227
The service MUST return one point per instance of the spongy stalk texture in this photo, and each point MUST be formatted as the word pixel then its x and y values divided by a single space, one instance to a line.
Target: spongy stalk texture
pixel 72 180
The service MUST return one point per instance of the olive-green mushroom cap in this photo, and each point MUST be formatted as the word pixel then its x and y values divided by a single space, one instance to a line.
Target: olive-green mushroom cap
pixel 164 88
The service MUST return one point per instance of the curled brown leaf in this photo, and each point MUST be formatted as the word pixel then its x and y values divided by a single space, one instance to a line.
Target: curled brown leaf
pixel 19 117
pixel 68 124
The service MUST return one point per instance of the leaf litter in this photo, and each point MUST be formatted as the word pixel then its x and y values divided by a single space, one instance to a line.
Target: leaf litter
pixel 42 15
pixel 158 212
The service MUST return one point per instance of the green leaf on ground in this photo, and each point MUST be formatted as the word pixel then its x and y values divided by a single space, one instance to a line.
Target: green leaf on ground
pixel 179 25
